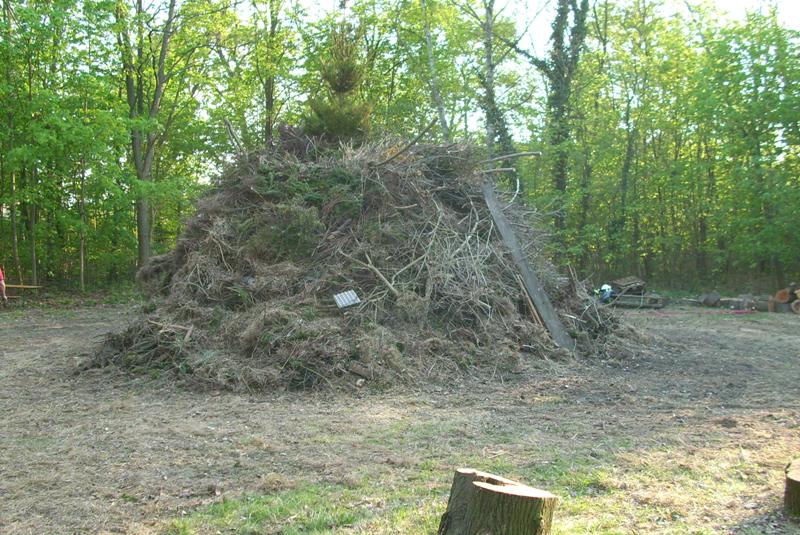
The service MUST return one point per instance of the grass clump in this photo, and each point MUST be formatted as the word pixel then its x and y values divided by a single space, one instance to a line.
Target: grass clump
pixel 308 509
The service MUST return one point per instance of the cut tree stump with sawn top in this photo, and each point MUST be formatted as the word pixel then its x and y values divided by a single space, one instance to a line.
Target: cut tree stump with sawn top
pixel 791 496
pixel 796 306
pixel 486 504
pixel 783 296
pixel 532 285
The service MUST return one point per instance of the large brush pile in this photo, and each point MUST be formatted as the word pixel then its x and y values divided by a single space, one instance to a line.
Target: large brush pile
pixel 245 300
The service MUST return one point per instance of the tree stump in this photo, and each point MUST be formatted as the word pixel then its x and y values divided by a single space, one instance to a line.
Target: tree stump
pixel 486 504
pixel 791 496
pixel 763 304
pixel 710 299
pixel 796 306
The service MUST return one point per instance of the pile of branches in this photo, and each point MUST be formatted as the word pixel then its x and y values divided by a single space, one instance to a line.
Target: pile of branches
pixel 245 300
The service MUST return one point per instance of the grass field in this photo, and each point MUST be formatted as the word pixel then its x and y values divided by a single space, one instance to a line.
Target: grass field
pixel 691 437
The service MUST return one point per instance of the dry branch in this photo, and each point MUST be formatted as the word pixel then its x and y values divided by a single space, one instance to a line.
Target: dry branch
pixel 370 266
pixel 510 156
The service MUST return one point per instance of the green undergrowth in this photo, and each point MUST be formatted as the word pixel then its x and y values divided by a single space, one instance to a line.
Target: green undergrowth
pixel 309 509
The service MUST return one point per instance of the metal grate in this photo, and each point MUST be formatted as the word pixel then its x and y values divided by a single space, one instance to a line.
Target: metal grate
pixel 346 299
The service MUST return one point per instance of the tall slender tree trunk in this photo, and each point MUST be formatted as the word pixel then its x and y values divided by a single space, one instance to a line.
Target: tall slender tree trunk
pixel 434 81
pixel 558 140
pixel 143 230
pixel 497 134
pixel 583 216
pixel 31 219
pixel 560 68
pixel 144 104
pixel 82 237
pixel 15 231
pixel 488 75
pixel 12 204
pixel 266 75
pixel 269 85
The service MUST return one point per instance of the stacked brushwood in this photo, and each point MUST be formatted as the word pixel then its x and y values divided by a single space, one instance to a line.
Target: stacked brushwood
pixel 245 299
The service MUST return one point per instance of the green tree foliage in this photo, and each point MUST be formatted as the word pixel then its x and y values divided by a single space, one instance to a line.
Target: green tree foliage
pixel 340 114
pixel 673 153
pixel 682 163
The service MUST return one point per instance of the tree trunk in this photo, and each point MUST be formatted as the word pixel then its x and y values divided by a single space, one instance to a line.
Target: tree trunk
pixel 268 82
pixel 710 299
pixel 488 76
pixel 560 70
pixel 140 104
pixel 497 133
pixel 33 214
pixel 791 496
pixel 12 203
pixel 143 230
pixel 780 307
pixel 82 245
pixel 15 232
pixel 437 95
pixel 762 304
pixel 783 296
pixel 485 504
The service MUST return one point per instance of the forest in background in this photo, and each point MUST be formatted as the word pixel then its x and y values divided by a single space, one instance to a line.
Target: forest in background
pixel 670 142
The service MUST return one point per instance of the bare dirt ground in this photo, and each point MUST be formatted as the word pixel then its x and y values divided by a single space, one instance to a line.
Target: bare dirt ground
pixel 691 438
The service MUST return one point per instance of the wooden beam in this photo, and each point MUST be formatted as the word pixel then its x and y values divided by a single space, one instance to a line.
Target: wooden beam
pixel 532 285
pixel 23 286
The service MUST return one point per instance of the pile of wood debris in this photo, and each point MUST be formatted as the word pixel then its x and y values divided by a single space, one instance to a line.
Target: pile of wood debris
pixel 784 300
pixel 631 292
pixel 430 290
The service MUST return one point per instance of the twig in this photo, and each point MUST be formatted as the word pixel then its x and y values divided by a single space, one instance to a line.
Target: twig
pixel 169 326
pixel 531 307
pixel 499 170
pixel 188 334
pixel 233 137
pixel 370 266
pixel 513 198
pixel 514 155
pixel 407 147
pixel 417 259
